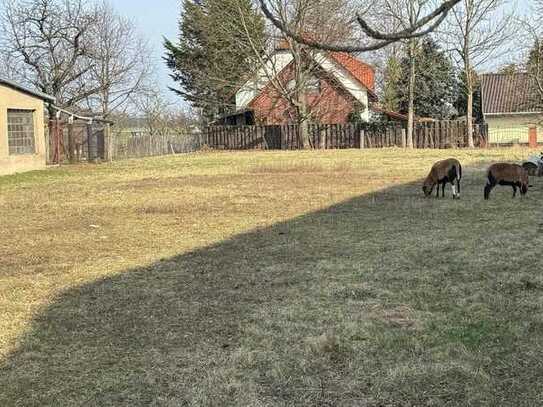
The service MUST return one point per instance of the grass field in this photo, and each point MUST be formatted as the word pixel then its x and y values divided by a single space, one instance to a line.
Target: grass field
pixel 270 279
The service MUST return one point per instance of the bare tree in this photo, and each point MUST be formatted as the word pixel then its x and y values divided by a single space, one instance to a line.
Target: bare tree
pixel 158 116
pixel 530 44
pixel 50 39
pixel 400 16
pixel 418 27
pixel 295 85
pixel 82 53
pixel 120 65
pixel 9 66
pixel 476 31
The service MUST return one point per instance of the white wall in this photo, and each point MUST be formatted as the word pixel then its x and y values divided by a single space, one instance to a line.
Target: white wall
pixel 251 88
pixel 513 128
pixel 352 85
pixel 281 59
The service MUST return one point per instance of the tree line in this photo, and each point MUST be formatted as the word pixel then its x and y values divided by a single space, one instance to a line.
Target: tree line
pixel 93 60
pixel 429 56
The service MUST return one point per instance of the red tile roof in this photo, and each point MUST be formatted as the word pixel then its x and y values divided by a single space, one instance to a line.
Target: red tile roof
pixel 362 72
pixel 509 93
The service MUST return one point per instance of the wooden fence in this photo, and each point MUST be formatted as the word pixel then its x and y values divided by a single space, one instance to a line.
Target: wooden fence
pixel 448 134
pixel 75 142
pixel 443 134
pixel 143 144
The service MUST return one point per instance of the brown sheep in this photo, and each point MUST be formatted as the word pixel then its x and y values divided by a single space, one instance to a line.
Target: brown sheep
pixel 442 172
pixel 506 174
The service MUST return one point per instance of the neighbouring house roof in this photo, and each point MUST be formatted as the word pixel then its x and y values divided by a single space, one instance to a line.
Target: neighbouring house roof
pixel 509 93
pixel 23 89
pixel 238 112
pixel 393 115
pixel 357 68
pixel 362 73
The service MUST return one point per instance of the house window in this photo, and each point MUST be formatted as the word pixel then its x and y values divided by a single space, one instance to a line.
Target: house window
pixel 291 85
pixel 21 131
pixel 313 85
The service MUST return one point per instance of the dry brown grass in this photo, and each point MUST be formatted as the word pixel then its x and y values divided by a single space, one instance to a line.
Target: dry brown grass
pixel 269 278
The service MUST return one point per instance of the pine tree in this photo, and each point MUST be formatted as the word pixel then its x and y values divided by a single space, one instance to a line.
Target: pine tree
pixel 391 94
pixel 216 51
pixel 436 84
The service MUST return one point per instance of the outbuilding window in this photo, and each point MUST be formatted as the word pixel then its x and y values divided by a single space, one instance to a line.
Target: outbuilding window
pixel 21 131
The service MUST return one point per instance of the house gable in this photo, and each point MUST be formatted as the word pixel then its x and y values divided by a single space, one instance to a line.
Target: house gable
pixel 13 99
pixel 353 80
pixel 273 67
pixel 331 104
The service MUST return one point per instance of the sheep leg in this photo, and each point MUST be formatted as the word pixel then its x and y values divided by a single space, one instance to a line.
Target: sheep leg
pixel 458 187
pixel 453 190
pixel 488 188
pixel 437 191
pixel 443 189
pixel 514 190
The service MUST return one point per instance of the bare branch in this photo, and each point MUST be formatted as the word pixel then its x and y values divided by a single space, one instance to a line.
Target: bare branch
pixel 416 29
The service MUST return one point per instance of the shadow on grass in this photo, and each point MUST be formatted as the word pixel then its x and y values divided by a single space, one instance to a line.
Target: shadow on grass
pixel 387 299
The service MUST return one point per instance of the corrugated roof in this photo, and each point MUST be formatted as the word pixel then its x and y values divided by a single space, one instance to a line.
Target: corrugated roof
pixel 20 88
pixel 509 93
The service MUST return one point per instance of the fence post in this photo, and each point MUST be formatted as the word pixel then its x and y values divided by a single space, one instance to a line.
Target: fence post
pixel 71 157
pixel 532 136
pixel 362 135
pixel 404 137
pixel 322 137
pixel 91 144
pixel 108 142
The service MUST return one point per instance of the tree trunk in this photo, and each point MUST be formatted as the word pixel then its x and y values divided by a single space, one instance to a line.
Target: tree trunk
pixel 468 73
pixel 304 134
pixel 303 116
pixel 303 124
pixel 469 118
pixel 411 108
pixel 469 109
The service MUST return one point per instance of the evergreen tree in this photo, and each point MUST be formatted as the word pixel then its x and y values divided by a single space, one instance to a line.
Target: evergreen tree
pixel 436 84
pixel 215 51
pixel 534 64
pixel 391 93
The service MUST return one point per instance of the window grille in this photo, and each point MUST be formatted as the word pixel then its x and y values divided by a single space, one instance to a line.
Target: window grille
pixel 21 131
